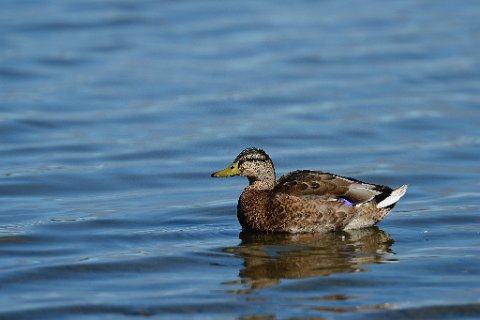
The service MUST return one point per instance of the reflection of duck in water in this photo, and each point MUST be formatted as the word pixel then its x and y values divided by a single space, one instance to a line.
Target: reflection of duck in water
pixel 305 201
pixel 270 257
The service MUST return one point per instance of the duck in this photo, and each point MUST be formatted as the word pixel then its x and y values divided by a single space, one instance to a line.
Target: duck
pixel 305 201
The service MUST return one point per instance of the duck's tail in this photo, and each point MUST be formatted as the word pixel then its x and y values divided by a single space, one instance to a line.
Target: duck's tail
pixel 393 198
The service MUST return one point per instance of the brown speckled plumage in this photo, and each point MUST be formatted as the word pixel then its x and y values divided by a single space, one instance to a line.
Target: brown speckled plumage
pixel 304 200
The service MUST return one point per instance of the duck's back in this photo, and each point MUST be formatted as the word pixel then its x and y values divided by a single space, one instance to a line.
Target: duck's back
pixel 325 186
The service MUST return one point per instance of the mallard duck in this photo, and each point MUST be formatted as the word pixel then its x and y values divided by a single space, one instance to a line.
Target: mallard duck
pixel 305 200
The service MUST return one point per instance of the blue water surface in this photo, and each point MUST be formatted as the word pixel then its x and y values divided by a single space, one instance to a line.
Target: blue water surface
pixel 113 114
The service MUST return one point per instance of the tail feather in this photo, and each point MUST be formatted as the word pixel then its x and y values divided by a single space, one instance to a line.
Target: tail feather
pixel 394 196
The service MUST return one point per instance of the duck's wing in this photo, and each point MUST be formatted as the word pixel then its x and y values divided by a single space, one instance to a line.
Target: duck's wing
pixel 325 186
pixel 305 213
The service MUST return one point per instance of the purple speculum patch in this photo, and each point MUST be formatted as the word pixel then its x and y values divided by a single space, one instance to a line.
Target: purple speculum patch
pixel 345 202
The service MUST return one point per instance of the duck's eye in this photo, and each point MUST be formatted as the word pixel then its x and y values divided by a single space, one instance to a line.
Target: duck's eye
pixel 232 167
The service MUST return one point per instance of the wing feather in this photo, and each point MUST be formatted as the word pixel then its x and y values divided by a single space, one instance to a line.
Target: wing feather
pixel 328 187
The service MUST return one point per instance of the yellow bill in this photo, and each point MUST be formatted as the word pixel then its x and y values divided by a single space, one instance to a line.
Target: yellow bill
pixel 230 171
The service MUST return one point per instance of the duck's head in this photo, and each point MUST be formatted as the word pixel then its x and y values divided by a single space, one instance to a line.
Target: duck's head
pixel 253 163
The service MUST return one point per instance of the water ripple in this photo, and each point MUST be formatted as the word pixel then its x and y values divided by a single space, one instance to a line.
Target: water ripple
pixel 114 113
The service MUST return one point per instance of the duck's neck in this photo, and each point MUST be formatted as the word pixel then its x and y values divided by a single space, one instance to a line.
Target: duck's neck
pixel 265 180
pixel 260 184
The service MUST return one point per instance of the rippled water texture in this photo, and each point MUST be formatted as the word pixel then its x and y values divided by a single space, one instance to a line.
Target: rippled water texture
pixel 113 114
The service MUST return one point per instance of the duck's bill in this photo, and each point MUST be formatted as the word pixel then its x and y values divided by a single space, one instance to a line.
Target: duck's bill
pixel 230 171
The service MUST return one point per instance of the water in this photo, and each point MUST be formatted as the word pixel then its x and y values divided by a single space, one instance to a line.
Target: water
pixel 114 114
